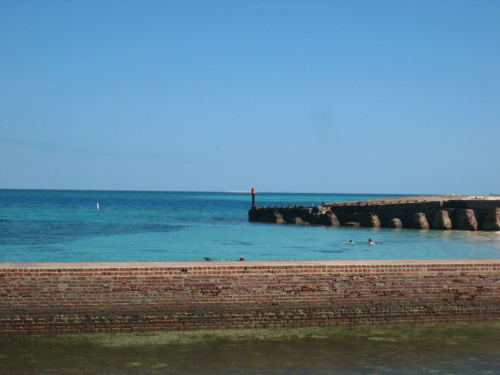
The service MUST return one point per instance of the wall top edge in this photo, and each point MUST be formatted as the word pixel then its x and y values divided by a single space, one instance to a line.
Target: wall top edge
pixel 241 264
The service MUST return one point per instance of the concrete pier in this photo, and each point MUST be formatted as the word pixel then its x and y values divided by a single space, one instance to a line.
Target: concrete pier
pixel 442 212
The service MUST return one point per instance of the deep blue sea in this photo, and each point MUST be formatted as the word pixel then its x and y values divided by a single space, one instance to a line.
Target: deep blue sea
pixel 65 225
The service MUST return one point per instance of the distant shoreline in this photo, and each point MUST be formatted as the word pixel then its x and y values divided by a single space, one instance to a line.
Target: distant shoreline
pixel 423 198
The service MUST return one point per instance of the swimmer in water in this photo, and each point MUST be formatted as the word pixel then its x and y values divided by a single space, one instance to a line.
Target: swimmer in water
pixel 370 242
pixel 350 242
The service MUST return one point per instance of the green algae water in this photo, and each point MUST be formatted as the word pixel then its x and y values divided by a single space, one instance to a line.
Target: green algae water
pixel 66 226
pixel 442 348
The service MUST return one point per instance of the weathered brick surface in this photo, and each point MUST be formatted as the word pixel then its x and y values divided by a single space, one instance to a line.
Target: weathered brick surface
pixel 245 294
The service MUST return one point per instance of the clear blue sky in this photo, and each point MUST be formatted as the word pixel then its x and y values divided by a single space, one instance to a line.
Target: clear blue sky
pixel 288 96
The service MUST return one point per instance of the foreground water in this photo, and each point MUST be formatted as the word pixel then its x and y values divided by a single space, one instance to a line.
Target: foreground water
pixel 444 348
pixel 51 225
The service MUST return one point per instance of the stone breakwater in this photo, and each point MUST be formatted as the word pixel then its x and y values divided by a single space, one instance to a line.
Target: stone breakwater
pixel 127 296
pixel 421 212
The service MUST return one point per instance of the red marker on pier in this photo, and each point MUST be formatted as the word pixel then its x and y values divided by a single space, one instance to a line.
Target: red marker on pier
pixel 253 196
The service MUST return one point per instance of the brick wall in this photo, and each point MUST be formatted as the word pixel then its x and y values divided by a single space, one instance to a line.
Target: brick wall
pixel 171 295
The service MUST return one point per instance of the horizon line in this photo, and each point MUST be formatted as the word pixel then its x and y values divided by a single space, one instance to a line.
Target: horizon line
pixel 224 191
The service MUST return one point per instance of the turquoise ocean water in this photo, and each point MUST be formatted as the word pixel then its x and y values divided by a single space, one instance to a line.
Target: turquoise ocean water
pixel 45 225
pixel 59 225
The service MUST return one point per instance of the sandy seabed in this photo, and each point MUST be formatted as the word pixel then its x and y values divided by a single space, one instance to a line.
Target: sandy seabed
pixel 437 348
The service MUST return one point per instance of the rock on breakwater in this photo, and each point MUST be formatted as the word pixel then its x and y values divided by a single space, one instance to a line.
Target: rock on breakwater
pixel 443 212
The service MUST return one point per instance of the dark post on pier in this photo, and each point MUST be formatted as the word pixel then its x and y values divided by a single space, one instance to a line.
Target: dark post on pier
pixel 253 196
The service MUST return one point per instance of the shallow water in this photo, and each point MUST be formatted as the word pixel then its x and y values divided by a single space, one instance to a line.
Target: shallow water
pixel 441 348
pixel 51 225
